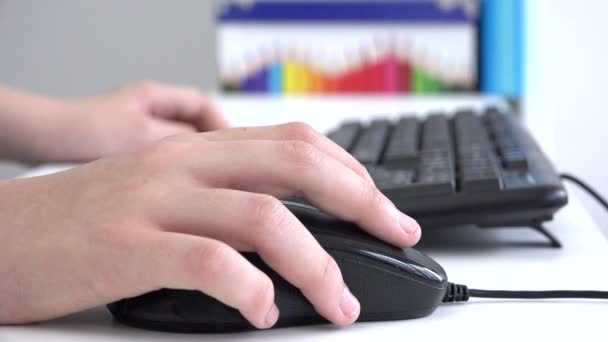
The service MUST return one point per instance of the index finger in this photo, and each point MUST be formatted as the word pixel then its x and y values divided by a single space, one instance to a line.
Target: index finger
pixel 292 131
pixel 289 168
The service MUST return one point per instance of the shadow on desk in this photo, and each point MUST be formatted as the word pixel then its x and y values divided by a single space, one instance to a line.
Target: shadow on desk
pixel 472 240
pixel 99 322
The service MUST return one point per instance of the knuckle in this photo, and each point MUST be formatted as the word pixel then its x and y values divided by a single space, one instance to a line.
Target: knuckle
pixel 372 197
pixel 207 260
pixel 301 131
pixel 145 86
pixel 362 170
pixel 168 149
pixel 269 214
pixel 137 96
pixel 301 153
pixel 192 92
pixel 377 198
pixel 325 274
pixel 261 294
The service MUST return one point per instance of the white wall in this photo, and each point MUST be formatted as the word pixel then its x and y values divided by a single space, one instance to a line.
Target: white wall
pixel 568 83
pixel 74 47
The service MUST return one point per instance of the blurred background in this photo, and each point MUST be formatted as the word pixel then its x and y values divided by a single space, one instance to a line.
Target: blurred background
pixel 552 56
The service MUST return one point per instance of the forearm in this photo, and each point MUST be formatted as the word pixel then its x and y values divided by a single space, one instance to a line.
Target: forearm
pixel 23 121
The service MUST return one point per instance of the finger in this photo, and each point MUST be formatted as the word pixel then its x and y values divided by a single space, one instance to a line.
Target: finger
pixel 212 267
pixel 291 131
pixel 184 104
pixel 294 168
pixel 261 222
pixel 159 128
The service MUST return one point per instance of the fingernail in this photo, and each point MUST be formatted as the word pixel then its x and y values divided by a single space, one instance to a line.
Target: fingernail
pixel 408 224
pixel 272 316
pixel 349 304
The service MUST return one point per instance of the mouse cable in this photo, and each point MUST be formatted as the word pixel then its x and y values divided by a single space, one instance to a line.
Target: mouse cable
pixel 586 187
pixel 461 293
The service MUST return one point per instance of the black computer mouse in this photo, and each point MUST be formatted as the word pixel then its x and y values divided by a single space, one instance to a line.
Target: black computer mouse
pixel 390 283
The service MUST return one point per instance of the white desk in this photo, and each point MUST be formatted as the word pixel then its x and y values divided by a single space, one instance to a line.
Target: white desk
pixel 493 259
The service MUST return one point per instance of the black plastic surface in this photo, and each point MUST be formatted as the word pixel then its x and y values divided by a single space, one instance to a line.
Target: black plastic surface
pixel 390 283
pixel 480 169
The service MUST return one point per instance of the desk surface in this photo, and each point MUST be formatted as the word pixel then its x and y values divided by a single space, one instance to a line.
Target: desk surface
pixel 493 259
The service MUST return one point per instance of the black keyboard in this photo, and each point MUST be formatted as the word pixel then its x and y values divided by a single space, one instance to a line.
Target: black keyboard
pixel 465 168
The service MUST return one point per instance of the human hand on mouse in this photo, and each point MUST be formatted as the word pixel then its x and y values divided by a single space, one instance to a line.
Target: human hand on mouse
pixel 43 129
pixel 175 213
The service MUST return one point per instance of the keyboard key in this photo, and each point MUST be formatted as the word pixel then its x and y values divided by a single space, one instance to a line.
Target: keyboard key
pixel 402 148
pixel 429 188
pixel 514 159
pixel 346 134
pixel 463 169
pixel 511 154
pixel 368 149
pixel 387 179
pixel 482 179
pixel 436 132
pixel 476 160
pixel 435 172
pixel 517 179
